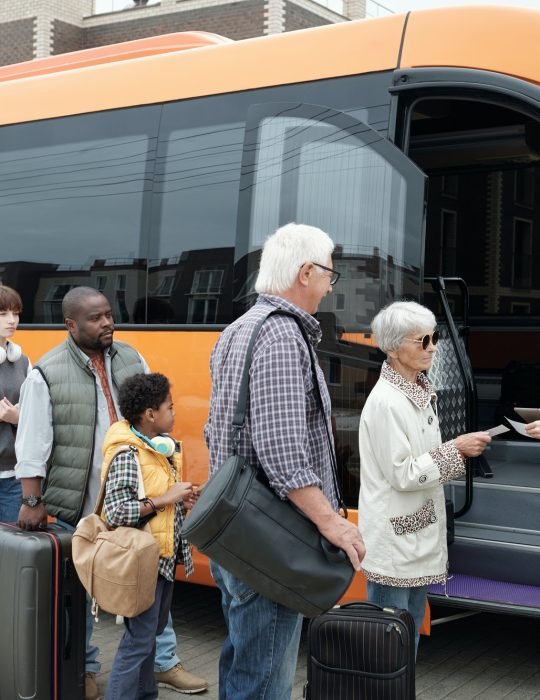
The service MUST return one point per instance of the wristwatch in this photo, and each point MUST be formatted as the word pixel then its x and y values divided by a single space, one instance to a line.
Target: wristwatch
pixel 31 501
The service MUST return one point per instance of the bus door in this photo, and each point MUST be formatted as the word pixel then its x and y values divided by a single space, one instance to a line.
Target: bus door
pixel 476 135
pixel 311 164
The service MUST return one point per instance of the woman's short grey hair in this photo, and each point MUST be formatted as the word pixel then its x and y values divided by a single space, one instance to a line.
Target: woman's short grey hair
pixel 400 320
pixel 284 253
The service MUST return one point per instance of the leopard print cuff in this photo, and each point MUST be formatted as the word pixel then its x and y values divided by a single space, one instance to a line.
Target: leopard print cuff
pixel 449 461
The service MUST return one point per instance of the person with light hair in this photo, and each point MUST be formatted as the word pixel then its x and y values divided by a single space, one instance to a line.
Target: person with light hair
pixel 403 465
pixel 285 435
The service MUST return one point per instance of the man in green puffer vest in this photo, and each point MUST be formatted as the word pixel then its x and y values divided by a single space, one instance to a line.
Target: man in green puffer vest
pixel 67 404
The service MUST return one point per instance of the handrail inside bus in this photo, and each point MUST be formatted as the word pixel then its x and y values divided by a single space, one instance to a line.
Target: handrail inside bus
pixel 138 48
pixel 475 464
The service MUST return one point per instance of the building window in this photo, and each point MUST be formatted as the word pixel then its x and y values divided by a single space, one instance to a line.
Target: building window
pixel 121 282
pixel 101 282
pixel 202 310
pixel 207 282
pixel 336 6
pixel 340 302
pixel 53 303
pixel 103 6
pixel 522 268
pixel 380 9
pixel 165 286
pixel 342 268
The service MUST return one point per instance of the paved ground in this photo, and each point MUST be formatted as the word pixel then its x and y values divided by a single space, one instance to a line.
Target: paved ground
pixel 488 657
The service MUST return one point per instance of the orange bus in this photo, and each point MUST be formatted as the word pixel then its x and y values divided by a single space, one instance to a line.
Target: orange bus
pixel 154 170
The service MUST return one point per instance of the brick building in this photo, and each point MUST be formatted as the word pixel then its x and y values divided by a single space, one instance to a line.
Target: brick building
pixel 31 29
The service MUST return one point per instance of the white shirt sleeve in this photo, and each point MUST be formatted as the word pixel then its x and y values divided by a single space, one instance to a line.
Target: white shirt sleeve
pixel 33 443
pixel 145 365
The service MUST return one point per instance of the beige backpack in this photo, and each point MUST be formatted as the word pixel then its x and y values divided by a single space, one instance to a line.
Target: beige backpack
pixel 117 567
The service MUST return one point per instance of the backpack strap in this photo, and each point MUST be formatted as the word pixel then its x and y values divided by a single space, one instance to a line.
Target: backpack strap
pixel 101 495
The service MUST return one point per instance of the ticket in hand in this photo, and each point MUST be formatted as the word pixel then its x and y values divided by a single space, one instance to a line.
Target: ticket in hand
pixel 498 430
pixel 518 427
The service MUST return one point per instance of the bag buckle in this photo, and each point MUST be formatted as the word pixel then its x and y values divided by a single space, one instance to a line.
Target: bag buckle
pixel 235 440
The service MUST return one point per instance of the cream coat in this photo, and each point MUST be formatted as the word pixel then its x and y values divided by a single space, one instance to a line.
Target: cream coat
pixel 401 507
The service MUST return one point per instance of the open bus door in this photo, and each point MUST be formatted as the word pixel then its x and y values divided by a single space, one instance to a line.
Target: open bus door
pixel 313 165
pixel 476 135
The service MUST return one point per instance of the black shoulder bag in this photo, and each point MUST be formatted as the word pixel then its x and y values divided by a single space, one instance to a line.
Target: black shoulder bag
pixel 242 525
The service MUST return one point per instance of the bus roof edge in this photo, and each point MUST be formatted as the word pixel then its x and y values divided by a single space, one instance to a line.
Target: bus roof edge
pixel 149 46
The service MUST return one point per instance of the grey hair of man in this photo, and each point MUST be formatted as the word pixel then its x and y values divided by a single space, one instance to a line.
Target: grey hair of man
pixel 284 253
pixel 399 320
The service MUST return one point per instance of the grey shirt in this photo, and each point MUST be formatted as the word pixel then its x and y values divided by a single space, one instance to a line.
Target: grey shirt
pixel 12 376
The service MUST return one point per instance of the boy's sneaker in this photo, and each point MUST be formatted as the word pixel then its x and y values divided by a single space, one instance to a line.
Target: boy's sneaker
pixel 90 686
pixel 177 678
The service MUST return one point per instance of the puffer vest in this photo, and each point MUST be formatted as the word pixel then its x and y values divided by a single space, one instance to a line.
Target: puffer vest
pixel 157 477
pixel 73 392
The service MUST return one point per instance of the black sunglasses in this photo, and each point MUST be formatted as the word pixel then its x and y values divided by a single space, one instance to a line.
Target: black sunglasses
pixel 432 338
pixel 334 274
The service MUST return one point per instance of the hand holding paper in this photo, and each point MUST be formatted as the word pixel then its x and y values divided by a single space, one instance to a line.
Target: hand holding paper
pixel 498 430
pixel 518 427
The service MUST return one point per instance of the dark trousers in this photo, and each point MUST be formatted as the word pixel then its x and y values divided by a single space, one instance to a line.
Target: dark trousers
pixel 132 674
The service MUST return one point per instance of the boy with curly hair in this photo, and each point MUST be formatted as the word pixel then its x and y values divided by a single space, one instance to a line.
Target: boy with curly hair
pixel 146 403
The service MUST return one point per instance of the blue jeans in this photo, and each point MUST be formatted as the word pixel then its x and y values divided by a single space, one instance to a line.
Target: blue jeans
pixel 258 658
pixel 166 656
pixel 411 599
pixel 132 673
pixel 10 499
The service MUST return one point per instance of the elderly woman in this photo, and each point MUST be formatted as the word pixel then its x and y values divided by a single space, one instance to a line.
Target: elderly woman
pixel 404 465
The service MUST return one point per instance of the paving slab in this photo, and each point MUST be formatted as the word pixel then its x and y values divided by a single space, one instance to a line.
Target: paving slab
pixel 485 657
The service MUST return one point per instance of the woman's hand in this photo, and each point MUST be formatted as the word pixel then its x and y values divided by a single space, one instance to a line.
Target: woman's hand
pixel 472 444
pixel 533 429
pixel 8 412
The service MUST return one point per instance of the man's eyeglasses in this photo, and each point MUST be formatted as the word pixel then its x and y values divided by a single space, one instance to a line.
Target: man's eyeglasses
pixel 432 338
pixel 334 274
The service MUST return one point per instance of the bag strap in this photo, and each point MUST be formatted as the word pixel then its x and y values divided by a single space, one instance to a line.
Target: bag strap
pixel 101 495
pixel 239 417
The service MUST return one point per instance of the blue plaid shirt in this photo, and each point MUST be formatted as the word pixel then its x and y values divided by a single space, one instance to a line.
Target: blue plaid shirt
pixel 284 431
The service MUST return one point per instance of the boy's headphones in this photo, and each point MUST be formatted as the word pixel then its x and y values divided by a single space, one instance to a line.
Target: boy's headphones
pixel 11 352
pixel 163 444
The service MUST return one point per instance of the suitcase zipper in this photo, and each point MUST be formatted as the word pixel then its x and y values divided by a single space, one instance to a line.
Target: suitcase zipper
pixel 393 626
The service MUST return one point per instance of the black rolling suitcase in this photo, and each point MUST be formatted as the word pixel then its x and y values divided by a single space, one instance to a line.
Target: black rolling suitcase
pixel 42 616
pixel 361 651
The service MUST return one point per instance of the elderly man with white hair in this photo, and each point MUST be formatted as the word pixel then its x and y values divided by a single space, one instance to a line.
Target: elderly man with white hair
pixel 403 465
pixel 285 434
